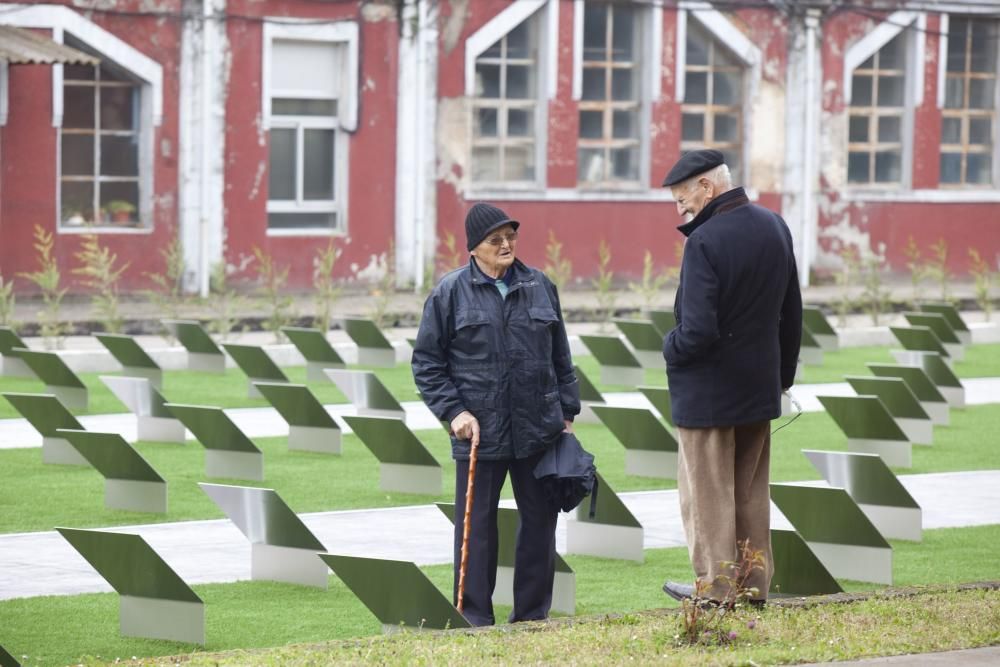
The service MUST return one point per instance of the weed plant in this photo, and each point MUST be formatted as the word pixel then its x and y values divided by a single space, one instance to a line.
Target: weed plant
pixel 47 278
pixel 168 297
pixel 984 276
pixel 875 298
pixel 223 300
pixel 918 271
pixel 384 287
pixel 272 281
pixel 7 302
pixel 651 285
pixel 450 255
pixel 937 268
pixel 604 284
pixel 99 271
pixel 558 268
pixel 327 290
pixel 850 268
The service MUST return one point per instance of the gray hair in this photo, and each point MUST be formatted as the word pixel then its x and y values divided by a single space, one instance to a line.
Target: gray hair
pixel 719 176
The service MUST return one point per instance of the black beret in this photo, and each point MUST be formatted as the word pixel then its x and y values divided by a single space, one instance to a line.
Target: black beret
pixel 692 164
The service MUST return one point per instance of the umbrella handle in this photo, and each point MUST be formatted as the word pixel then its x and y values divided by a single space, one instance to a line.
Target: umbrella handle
pixel 466 527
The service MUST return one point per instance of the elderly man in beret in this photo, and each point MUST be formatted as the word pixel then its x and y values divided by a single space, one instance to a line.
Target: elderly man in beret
pixel 492 360
pixel 733 351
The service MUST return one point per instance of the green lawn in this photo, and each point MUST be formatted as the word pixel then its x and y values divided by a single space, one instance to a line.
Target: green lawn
pixel 84 628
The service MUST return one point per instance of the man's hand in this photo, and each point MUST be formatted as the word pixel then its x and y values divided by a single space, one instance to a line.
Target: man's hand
pixel 465 426
pixel 569 426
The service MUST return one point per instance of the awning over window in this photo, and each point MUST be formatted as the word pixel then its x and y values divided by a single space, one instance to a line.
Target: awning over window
pixel 22 47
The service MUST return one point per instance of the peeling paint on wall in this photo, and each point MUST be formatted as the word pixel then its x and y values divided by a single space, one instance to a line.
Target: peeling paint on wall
pixel 258 178
pixel 373 13
pixel 452 141
pixel 767 138
pixel 454 24
pixel 378 266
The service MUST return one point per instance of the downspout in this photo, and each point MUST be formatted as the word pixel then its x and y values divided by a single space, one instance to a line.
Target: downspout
pixel 809 150
pixel 203 199
pixel 419 189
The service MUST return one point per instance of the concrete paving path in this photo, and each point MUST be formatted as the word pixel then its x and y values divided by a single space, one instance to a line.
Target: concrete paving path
pixel 970 657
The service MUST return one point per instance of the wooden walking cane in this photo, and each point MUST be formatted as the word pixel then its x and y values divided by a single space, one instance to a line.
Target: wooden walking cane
pixel 464 561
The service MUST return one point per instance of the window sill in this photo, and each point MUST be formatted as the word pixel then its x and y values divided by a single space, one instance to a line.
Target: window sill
pixel 943 196
pixel 304 231
pixel 102 229
pixel 574 194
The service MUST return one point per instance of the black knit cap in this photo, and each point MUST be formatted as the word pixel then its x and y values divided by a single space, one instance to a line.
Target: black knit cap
pixel 482 219
pixel 692 164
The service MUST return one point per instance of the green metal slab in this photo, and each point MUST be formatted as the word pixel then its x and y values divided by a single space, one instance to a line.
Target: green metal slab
pixel 6 659
pixel 937 323
pixel 949 312
pixel 111 455
pixel 862 417
pixel 9 341
pixel 192 336
pixel 665 320
pixel 610 351
pixel 50 368
pixel 636 428
pixel 825 514
pixel 610 509
pixel 366 333
pixel 366 392
pixel 939 372
pixel 296 404
pixel 391 440
pixel 44 412
pixel 396 592
pixel 815 320
pixel 894 393
pixel 588 391
pixel 808 339
pixel 916 379
pixel 865 477
pixel 642 334
pixel 255 362
pixel 212 428
pixel 127 351
pixel 660 398
pixel 262 516
pixel 314 346
pixel 919 339
pixel 797 571
pixel 138 395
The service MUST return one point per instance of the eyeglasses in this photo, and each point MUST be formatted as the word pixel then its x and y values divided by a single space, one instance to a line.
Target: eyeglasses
pixel 498 239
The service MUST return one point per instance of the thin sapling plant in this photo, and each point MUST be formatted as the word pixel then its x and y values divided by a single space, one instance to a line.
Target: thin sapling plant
pixel 47 278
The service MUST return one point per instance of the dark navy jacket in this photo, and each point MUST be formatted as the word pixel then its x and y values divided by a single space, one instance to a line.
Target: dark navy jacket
pixel 739 316
pixel 505 361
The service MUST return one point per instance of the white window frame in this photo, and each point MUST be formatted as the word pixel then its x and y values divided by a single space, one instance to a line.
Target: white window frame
pixel 746 52
pixel 343 34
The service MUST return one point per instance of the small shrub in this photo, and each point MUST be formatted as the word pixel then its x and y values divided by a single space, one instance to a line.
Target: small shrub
pixel 984 282
pixel 99 272
pixel 557 268
pixel 272 284
pixel 918 271
pixel 604 284
pixel 7 302
pixel 937 268
pixel 452 255
pixel 874 297
pixel 327 290
pixel 168 297
pixel 850 268
pixel 652 283
pixel 223 301
pixel 384 287
pixel 47 279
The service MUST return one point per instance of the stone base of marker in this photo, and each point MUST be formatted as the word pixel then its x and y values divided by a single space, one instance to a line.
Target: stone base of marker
pixel 135 496
pixel 955 396
pixel 407 478
pixel 604 540
pixel 234 465
pixel 848 561
pixel 827 342
pixel 71 397
pixel 288 564
pixel 376 412
pixel 154 618
pixel 154 375
pixel 918 431
pixel 314 372
pixel 915 357
pixel 161 429
pixel 940 413
pixel 811 356
pixel 964 337
pixel 956 352
pixel 587 416
pixel 896 523
pixel 207 363
pixel 649 359
pixel 14 367
pixel 381 357
pixel 58 451
pixel 629 376
pixel 895 453
pixel 649 463
pixel 314 439
pixel 563 590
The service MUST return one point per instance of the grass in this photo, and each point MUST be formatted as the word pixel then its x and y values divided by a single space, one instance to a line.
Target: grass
pixel 69 629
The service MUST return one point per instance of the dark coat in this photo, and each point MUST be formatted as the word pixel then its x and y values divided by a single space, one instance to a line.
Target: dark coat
pixel 739 316
pixel 507 361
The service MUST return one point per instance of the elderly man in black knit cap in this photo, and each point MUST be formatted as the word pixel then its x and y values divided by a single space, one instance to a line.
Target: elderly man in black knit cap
pixel 733 351
pixel 492 360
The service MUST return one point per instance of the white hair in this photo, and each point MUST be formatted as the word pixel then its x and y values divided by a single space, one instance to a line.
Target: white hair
pixel 719 176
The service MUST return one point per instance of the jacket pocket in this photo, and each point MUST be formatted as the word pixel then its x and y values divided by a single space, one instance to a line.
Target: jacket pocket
pixel 551 415
pixel 472 335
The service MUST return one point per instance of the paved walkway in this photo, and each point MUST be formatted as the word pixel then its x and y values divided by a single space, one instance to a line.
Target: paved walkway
pixel 971 657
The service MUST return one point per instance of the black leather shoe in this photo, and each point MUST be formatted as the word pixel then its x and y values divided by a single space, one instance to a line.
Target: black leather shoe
pixel 757 603
pixel 679 592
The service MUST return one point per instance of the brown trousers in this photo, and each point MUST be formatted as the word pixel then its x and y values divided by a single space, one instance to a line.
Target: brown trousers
pixel 725 498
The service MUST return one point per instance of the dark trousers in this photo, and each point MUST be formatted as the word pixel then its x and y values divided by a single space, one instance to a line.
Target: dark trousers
pixel 534 558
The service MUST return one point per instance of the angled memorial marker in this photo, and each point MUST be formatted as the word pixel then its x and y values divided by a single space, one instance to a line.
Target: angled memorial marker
pixel 59 380
pixel 901 403
pixel 939 324
pixel 397 592
pixel 256 365
pixel 366 393
pixel 665 320
pixel 614 532
pixel 47 414
pixel 153 420
pixel 405 465
pixel 154 601
pixel 316 350
pixel 202 352
pixel 135 361
pixel 820 328
pixel 310 426
pixel 810 351
pixel 228 451
pixel 618 364
pixel 870 428
pixel 876 490
pixel 10 363
pixel 659 397
pixel 944 378
pixel 797 571
pixel 650 449
pixel 130 483
pixel 931 399
pixel 374 349
pixel 837 531
pixel 918 340
pixel 954 318
pixel 589 396
pixel 508 522
pixel 646 341
pixel 6 659
pixel 282 548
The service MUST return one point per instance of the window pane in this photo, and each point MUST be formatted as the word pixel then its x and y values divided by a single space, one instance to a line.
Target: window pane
pixel 594 31
pixel 486 164
pixel 487 80
pixel 626 163
pixel 591 124
pixel 726 88
pixel 726 128
pixel 890 128
pixel 981 93
pixel 868 64
pixel 696 88
pixel 593 83
pixel 77 154
pixel 984 46
pixel 77 202
pixel 317 170
pixel 893 55
pixel 979 168
pixel 861 91
pixel 951 167
pixel 116 108
pixel 858 129
pixel 520 123
pixel 519 163
pixel 590 165
pixel 623 84
pixel 954 93
pixel 295 107
pixel 951 130
pixel 624 38
pixel 494 51
pixel 281 166
pixel 696 50
pixel 956 44
pixel 890 91
pixel 692 127
pixel 485 122
pixel 857 167
pixel 116 200
pixel 79 72
pixel 301 220
pixel 625 124
pixel 981 131
pixel 519 41
pixel 519 82
pixel 887 167
pixel 119 156
pixel 78 107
